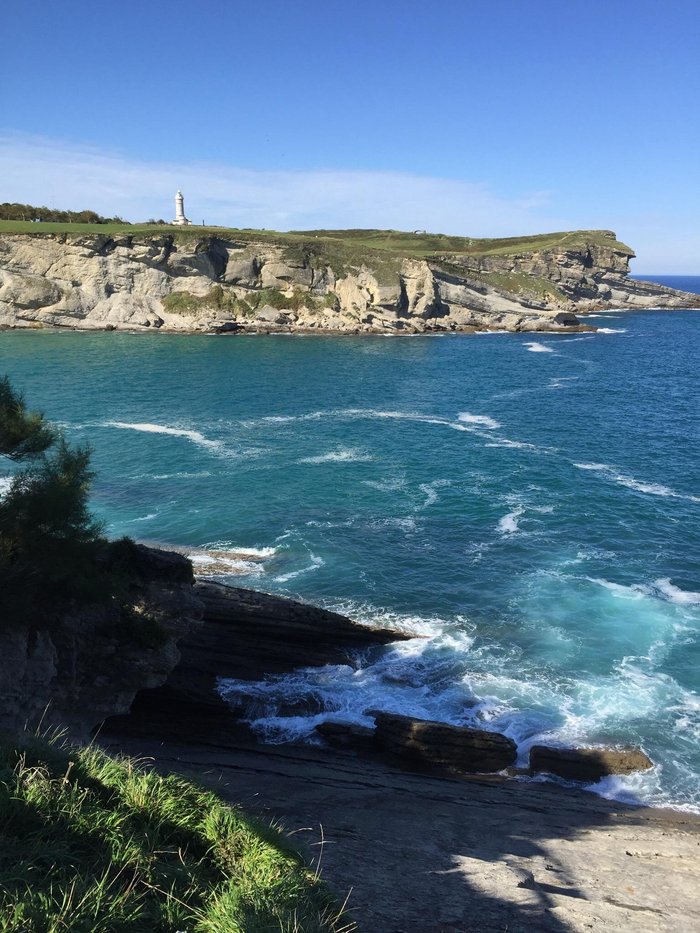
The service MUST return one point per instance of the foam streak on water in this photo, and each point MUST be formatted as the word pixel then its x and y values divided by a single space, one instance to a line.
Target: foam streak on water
pixel 529 506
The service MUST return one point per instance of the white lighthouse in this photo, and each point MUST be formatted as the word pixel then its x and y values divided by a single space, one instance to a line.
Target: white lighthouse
pixel 180 219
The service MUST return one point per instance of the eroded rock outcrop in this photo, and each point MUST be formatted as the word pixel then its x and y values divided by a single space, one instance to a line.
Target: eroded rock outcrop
pixel 245 635
pixel 79 665
pixel 224 284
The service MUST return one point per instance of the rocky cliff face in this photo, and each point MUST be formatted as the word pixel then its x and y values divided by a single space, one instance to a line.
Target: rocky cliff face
pixel 224 284
pixel 73 669
pixel 160 651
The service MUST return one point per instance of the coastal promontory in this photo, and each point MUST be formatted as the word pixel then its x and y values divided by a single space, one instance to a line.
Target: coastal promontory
pixel 337 281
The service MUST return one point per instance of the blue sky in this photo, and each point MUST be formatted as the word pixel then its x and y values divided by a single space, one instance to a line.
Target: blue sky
pixel 481 118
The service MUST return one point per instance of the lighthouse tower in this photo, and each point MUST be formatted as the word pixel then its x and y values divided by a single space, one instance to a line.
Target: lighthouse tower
pixel 180 219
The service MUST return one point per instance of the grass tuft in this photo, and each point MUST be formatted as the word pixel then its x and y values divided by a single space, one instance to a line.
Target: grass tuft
pixel 98 844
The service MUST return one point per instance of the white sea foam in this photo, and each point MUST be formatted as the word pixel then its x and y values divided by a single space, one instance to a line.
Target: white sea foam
pixel 634 591
pixel 595 553
pixel 221 548
pixel 430 491
pixel 535 347
pixel 5 483
pixel 222 558
pixel 315 563
pixel 407 524
pixel 675 594
pixel 389 484
pixel 508 525
pixel 561 382
pixel 145 518
pixel 340 455
pixel 284 419
pixel 654 489
pixel 290 706
pixel 477 550
pixel 205 565
pixel 183 475
pixel 518 445
pixel 484 421
pixel 195 436
pixel 659 589
pixel 480 425
pixel 611 330
pixel 451 676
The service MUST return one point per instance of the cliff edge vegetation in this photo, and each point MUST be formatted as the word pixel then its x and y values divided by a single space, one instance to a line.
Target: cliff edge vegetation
pixel 93 843
pixel 127 276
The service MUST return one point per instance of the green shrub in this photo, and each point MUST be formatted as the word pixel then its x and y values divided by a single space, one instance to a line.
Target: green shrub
pixel 267 296
pixel 48 538
pixel 52 552
pixel 217 299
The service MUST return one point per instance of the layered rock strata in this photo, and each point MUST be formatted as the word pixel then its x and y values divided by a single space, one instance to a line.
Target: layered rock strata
pixel 228 285
pixel 442 746
pixel 245 635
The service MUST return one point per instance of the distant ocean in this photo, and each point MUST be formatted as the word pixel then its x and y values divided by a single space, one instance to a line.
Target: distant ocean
pixel 686 283
pixel 530 503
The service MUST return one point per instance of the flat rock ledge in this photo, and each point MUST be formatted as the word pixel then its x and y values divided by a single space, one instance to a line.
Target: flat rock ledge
pixel 588 764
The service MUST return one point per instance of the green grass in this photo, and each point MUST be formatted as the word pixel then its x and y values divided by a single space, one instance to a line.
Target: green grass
pixel 342 245
pixel 91 843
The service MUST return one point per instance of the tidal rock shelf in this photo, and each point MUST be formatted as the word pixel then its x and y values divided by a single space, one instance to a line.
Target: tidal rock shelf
pixel 244 635
pixel 248 635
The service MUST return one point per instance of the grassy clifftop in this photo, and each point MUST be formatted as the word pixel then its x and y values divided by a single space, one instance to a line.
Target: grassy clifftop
pixel 349 243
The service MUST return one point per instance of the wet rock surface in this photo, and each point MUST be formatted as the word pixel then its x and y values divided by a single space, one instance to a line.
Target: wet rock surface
pixel 588 764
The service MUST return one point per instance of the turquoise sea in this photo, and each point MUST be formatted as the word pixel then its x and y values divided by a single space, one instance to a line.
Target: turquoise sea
pixel 528 503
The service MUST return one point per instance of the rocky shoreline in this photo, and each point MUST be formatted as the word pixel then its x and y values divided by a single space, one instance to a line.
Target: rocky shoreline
pixel 248 635
pixel 428 823
pixel 395 818
pixel 234 285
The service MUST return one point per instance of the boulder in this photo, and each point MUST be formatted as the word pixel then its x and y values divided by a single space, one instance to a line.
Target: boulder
pixel 588 764
pixel 241 270
pixel 269 315
pixel 446 747
pixel 347 735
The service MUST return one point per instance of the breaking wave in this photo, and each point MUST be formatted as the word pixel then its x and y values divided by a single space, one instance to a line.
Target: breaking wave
pixel 196 437
pixel 606 471
pixel 535 347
